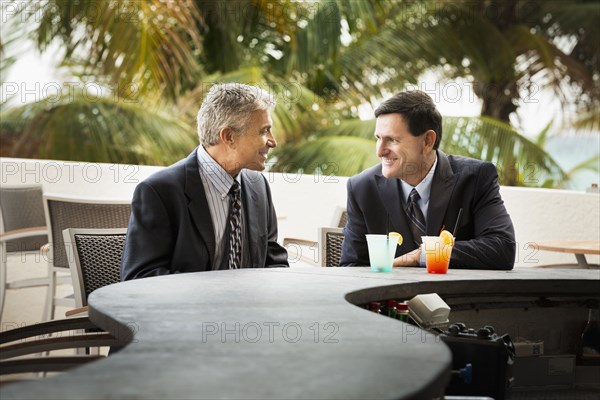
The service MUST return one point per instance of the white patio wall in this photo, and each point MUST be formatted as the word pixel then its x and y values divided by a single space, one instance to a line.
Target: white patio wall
pixel 307 202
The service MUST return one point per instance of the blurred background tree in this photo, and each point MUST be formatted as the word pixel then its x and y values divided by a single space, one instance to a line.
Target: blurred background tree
pixel 153 61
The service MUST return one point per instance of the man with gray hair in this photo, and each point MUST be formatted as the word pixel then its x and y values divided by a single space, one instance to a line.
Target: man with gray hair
pixel 211 210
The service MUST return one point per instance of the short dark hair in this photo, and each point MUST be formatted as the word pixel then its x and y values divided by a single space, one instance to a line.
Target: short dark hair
pixel 418 110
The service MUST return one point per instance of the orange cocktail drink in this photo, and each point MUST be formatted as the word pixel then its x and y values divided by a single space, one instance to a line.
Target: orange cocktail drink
pixel 437 254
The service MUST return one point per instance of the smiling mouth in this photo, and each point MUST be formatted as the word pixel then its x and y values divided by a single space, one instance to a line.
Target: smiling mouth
pixel 386 160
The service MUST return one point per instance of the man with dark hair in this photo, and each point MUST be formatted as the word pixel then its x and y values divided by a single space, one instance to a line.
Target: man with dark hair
pixel 212 210
pixel 418 190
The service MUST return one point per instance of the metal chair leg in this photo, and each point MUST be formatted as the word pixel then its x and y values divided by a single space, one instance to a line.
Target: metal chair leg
pixel 3 266
pixel 49 306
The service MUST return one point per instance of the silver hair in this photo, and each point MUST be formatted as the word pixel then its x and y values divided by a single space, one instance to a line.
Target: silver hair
pixel 230 105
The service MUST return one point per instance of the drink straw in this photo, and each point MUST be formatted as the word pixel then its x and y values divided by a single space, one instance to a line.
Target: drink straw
pixel 388 224
pixel 457 221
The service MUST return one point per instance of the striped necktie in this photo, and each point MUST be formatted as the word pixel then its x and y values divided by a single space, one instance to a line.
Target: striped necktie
pixel 414 213
pixel 235 227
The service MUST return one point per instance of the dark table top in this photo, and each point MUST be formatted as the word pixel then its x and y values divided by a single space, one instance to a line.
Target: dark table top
pixel 276 333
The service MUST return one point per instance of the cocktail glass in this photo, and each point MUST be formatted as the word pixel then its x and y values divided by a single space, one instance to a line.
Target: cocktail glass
pixel 382 250
pixel 437 254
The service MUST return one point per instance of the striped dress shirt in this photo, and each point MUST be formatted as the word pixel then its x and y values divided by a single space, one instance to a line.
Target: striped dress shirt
pixel 217 182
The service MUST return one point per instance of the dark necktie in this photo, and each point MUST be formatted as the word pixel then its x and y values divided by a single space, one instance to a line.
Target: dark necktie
pixel 414 213
pixel 235 227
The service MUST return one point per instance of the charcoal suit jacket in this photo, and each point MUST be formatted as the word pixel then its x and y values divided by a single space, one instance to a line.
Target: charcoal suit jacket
pixel 485 237
pixel 170 229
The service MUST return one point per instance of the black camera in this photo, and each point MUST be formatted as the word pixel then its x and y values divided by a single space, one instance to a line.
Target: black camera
pixel 484 360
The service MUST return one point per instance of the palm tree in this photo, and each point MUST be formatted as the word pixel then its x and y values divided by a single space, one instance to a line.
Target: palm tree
pixel 321 59
pixel 164 56
pixel 142 54
pixel 507 48
pixel 102 130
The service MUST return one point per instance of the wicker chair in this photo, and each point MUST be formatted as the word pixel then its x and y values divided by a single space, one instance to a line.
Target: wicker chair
pixel 94 260
pixel 331 246
pixel 64 212
pixel 22 229
pixel 340 217
pixel 26 349
pixel 307 249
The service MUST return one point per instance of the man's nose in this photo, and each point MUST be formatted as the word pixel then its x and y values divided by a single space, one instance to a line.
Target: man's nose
pixel 271 142
pixel 380 149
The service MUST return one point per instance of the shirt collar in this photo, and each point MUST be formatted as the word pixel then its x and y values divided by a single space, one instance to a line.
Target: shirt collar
pixel 423 188
pixel 215 174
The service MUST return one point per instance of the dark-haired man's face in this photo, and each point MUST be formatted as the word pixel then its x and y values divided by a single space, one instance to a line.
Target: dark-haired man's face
pixel 402 155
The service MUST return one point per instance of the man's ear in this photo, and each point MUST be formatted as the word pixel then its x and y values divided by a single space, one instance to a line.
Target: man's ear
pixel 227 136
pixel 430 137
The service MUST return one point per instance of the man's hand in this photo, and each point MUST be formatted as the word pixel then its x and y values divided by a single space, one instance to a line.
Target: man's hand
pixel 409 259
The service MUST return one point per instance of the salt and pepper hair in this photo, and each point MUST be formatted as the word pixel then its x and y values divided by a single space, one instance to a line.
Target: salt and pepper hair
pixel 418 110
pixel 230 105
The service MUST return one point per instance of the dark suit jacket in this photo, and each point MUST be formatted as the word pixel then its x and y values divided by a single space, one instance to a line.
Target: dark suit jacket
pixel 485 238
pixel 171 231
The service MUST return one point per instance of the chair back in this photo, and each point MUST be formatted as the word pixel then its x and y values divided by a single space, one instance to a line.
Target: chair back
pixel 343 219
pixel 94 259
pixel 22 207
pixel 64 212
pixel 331 246
pixel 28 348
pixel 340 217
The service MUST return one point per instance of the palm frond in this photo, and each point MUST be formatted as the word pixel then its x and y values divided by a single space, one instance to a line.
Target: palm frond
pixel 149 44
pixel 351 127
pixel 591 164
pixel 293 116
pixel 589 121
pixel 460 42
pixel 9 40
pixel 518 160
pixel 547 64
pixel 334 155
pixel 314 49
pixel 319 42
pixel 542 137
pixel 97 131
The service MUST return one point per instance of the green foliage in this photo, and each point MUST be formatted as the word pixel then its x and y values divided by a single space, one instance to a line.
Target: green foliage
pixel 352 127
pixel 349 147
pixel 334 155
pixel 100 131
pixel 320 59
pixel 146 43
pixel 294 101
pixel 519 161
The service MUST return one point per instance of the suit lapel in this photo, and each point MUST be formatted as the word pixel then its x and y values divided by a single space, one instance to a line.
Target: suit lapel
pixel 198 205
pixel 250 197
pixel 442 189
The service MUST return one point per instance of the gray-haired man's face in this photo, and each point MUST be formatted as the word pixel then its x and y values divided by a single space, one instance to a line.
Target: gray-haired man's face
pixel 253 146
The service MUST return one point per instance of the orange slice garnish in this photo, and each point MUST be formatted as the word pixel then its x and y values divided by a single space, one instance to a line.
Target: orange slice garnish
pixel 399 236
pixel 447 238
